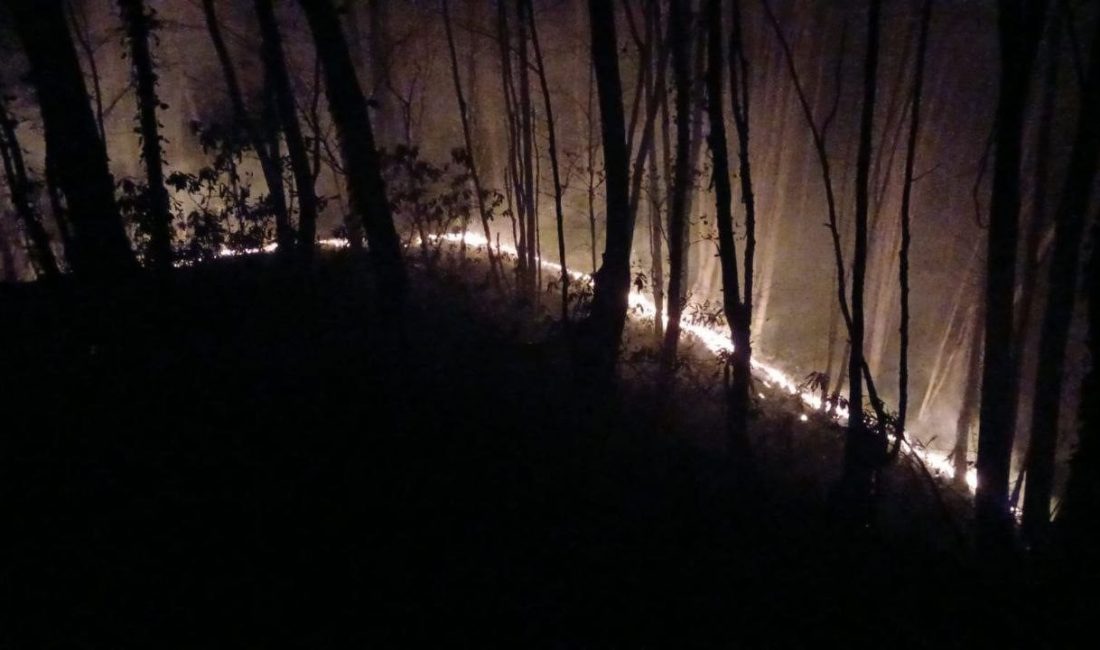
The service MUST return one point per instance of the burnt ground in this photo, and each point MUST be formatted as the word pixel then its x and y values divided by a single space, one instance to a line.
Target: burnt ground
pixel 252 458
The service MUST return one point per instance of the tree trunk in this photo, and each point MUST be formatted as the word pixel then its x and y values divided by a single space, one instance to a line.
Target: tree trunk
pixel 906 238
pixel 592 169
pixel 681 182
pixel 57 209
pixel 80 31
pixel 1038 225
pixel 818 134
pixel 269 164
pixel 1061 297
pixel 1019 26
pixel 554 167
pixel 653 93
pixel 666 201
pixel 380 63
pixel 727 250
pixel 1078 523
pixel 656 61
pixel 102 250
pixel 15 172
pixel 860 445
pixel 697 146
pixel 739 95
pixel 279 78
pixel 7 254
pixel 612 281
pixel 527 158
pixel 140 23
pixel 1039 221
pixel 471 162
pixel 515 189
pixel 364 174
pixel 969 405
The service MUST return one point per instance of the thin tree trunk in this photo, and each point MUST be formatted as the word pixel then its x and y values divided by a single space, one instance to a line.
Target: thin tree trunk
pixel 697 146
pixel 494 264
pixel 859 448
pixel 279 78
pixel 1038 223
pixel 1061 297
pixel 971 394
pixel 102 250
pixel 381 65
pixel 15 172
pixel 666 201
pixel 656 252
pixel 7 254
pixel 612 281
pixel 732 304
pixel 681 182
pixel 554 167
pixel 1078 520
pixel 57 209
pixel 818 136
pixel 1019 26
pixel 527 158
pixel 739 95
pixel 653 95
pixel 269 164
pixel 140 23
pixel 516 190
pixel 80 31
pixel 656 61
pixel 364 174
pixel 591 169
pixel 906 237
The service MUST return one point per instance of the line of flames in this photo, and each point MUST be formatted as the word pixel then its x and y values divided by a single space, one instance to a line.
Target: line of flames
pixel 716 339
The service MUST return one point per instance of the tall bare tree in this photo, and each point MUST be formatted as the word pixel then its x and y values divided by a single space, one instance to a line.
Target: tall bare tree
pixel 140 23
pixel 678 17
pixel 515 185
pixel 657 92
pixel 860 445
pixel 269 160
pixel 732 303
pixel 471 161
pixel 906 199
pixel 1069 220
pixel 972 378
pixel 819 135
pixel 1019 27
pixel 283 92
pixel 21 190
pixel 74 151
pixel 364 175
pixel 612 282
pixel 555 167
pixel 739 94
pixel 1078 522
pixel 528 157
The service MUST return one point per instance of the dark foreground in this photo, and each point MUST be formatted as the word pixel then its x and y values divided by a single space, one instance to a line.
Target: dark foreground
pixel 251 459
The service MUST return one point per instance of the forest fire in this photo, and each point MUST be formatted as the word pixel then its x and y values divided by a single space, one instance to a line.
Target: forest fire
pixel 718 341
pixel 820 334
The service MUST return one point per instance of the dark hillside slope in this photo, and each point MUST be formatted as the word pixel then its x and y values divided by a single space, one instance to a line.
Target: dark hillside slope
pixel 254 458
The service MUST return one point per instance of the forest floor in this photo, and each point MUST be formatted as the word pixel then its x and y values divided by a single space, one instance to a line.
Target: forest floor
pixel 252 457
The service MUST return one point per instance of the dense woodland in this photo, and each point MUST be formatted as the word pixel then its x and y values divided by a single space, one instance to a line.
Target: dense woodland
pixel 571 321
